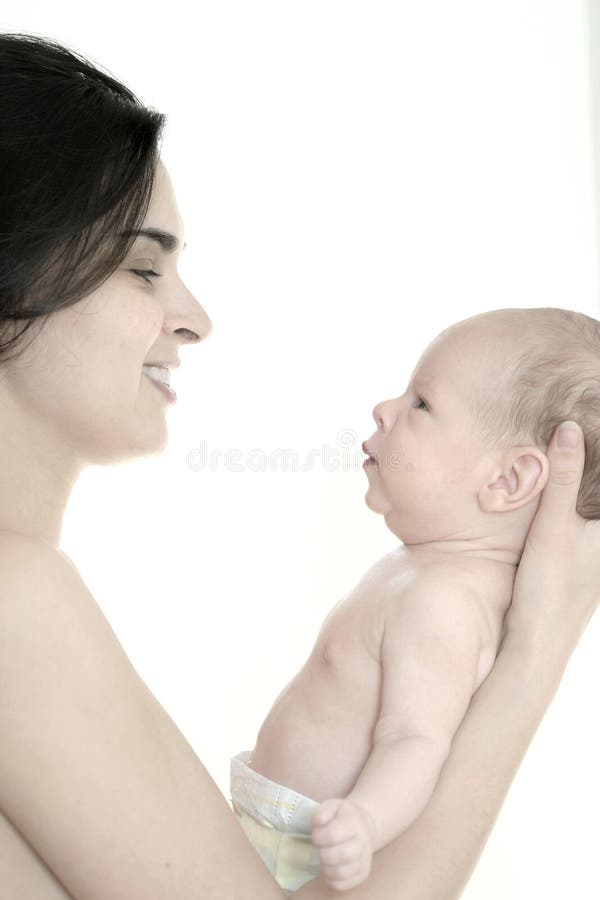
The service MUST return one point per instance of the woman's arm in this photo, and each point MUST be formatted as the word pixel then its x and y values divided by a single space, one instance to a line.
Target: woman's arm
pixel 556 593
pixel 94 775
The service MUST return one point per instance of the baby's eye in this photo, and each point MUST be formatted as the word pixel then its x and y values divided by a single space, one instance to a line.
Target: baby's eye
pixel 420 404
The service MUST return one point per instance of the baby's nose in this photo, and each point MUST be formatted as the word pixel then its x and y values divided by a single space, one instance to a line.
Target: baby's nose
pixel 381 414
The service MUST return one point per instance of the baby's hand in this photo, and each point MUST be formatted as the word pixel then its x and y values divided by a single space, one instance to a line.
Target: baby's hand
pixel 344 834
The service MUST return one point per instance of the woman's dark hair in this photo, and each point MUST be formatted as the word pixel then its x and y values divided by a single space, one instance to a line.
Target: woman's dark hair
pixel 78 157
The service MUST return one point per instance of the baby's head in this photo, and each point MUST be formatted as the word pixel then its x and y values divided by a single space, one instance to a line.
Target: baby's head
pixel 467 439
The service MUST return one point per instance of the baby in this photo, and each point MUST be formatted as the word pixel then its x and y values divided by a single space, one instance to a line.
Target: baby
pixel 352 748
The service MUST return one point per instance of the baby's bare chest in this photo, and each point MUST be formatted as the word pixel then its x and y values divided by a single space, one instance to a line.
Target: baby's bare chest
pixel 352 633
pixel 351 636
pixel 348 647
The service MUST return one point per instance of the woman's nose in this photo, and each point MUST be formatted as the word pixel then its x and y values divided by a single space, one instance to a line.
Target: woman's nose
pixel 194 321
pixel 203 321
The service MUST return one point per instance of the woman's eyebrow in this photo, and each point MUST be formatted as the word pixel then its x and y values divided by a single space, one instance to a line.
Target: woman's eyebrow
pixel 165 239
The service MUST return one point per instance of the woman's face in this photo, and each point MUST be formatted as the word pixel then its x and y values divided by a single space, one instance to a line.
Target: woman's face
pixel 81 380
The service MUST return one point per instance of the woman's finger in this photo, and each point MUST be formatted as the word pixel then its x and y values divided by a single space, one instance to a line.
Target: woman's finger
pixel 566 455
pixel 557 581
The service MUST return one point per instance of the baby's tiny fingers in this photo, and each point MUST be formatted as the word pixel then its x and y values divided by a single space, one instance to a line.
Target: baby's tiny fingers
pixel 333 834
pixel 342 878
pixel 325 813
pixel 346 883
pixel 341 854
pixel 341 873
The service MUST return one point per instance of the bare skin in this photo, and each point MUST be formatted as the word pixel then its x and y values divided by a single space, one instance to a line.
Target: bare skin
pixel 78 395
pixel 135 814
pixel 101 797
pixel 368 721
pixel 365 726
pixel 330 708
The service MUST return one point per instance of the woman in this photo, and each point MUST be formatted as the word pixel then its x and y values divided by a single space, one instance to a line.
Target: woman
pixel 101 798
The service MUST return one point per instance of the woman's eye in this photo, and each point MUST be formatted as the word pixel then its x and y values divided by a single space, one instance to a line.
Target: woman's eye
pixel 146 274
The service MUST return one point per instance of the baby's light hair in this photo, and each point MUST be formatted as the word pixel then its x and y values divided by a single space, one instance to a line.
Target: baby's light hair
pixel 551 373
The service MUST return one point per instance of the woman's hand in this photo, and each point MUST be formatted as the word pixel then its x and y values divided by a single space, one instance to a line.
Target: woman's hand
pixel 558 579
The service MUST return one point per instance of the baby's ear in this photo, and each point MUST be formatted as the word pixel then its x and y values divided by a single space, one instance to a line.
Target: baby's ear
pixel 517 479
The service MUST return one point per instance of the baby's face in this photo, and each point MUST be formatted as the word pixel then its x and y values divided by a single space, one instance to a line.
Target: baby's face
pixel 429 458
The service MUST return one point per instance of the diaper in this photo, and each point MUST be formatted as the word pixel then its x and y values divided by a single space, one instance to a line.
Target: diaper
pixel 278 822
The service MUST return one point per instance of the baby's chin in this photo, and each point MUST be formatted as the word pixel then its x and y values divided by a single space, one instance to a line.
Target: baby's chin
pixel 377 504
pixel 400 525
pixel 406 529
pixel 404 534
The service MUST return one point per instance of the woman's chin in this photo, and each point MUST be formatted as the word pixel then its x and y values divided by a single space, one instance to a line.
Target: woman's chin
pixel 131 447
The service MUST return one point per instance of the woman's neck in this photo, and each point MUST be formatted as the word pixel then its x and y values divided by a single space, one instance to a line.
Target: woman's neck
pixel 37 475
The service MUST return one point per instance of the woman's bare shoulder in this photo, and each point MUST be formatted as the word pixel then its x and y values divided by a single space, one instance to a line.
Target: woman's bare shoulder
pixel 24 556
pixel 41 590
pixel 54 637
pixel 94 775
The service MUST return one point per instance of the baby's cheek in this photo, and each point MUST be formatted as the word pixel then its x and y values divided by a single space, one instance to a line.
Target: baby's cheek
pixel 452 464
pixel 395 459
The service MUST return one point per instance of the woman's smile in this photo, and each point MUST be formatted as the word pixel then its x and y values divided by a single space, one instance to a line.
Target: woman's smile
pixel 165 389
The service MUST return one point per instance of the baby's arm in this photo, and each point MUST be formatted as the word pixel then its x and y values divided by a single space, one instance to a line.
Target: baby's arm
pixel 430 658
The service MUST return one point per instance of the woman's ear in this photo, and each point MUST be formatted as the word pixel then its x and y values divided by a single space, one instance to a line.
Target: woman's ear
pixel 518 478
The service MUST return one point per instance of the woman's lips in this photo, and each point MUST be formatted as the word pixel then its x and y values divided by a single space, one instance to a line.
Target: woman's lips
pixel 165 389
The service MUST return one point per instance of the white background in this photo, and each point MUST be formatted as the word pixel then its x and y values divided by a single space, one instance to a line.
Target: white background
pixel 353 176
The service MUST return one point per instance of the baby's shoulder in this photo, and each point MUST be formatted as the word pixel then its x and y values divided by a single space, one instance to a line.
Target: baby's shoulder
pixel 438 584
pixel 427 575
pixel 436 593
pixel 446 593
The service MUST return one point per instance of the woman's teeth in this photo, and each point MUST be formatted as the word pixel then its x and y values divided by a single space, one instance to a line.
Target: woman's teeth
pixel 157 373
